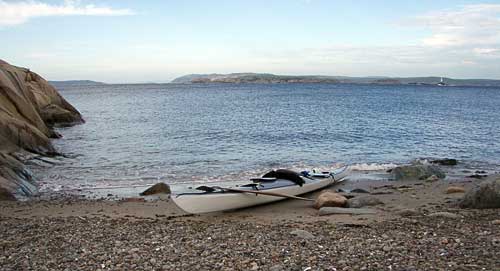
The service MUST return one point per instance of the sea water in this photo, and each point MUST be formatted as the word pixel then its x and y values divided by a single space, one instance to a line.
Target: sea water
pixel 139 134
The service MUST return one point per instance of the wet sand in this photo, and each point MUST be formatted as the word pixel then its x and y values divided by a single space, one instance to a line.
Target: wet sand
pixel 396 196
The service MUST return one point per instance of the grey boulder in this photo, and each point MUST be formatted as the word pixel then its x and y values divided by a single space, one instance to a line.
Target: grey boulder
pixel 358 202
pixel 484 196
pixel 417 172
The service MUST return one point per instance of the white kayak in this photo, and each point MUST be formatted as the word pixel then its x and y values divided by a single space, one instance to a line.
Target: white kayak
pixel 223 200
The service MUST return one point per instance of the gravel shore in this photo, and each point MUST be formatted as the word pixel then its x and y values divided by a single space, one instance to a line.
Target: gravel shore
pixel 182 243
pixel 419 227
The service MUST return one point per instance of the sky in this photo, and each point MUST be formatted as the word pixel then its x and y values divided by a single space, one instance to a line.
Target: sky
pixel 156 41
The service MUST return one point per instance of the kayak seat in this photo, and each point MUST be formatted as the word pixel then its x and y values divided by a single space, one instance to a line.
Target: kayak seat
pixel 263 180
pixel 206 189
pixel 285 174
pixel 252 185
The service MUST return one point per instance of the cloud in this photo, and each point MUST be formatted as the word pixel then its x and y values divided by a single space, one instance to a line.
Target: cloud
pixel 14 13
pixel 461 42
pixel 471 25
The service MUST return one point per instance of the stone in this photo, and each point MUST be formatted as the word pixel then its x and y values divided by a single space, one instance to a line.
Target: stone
pixel 277 267
pixel 6 195
pixel 330 199
pixel 444 215
pixel 445 162
pixel 133 200
pixel 302 234
pixel 496 242
pixel 157 189
pixel 496 222
pixel 477 176
pixel 363 201
pixel 455 189
pixel 432 178
pixel 386 192
pixel 349 211
pixel 407 212
pixel 254 266
pixel 416 172
pixel 484 196
pixel 359 190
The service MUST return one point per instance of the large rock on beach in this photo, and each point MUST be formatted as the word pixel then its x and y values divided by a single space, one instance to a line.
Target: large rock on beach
pixel 416 172
pixel 330 199
pixel 29 108
pixel 484 196
pixel 158 188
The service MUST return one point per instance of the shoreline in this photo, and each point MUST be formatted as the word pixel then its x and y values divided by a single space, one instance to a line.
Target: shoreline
pixel 396 195
pixel 155 234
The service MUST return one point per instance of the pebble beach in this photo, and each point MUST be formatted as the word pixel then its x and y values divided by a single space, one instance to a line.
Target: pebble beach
pixel 417 228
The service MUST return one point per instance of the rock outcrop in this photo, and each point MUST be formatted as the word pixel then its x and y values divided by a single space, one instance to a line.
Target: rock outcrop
pixel 29 109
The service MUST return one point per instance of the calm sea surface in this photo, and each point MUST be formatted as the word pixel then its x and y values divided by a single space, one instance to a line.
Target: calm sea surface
pixel 139 134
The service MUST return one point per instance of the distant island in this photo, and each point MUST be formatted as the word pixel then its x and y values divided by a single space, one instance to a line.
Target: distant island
pixel 267 78
pixel 70 83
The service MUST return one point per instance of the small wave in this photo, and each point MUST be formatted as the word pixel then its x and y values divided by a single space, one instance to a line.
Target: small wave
pixel 372 166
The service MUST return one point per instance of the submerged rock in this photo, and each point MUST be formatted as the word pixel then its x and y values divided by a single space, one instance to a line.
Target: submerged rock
pixel 363 201
pixel 157 189
pixel 330 199
pixel 484 196
pixel 417 172
pixel 477 176
pixel 445 162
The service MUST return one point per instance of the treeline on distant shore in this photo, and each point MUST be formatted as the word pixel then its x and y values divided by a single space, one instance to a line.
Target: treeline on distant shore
pixel 272 78
pixel 267 78
pixel 69 83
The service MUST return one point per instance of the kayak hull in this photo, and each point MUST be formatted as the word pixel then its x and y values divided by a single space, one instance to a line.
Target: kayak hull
pixel 197 203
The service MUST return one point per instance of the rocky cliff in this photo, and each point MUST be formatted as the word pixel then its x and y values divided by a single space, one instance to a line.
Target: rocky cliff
pixel 29 109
